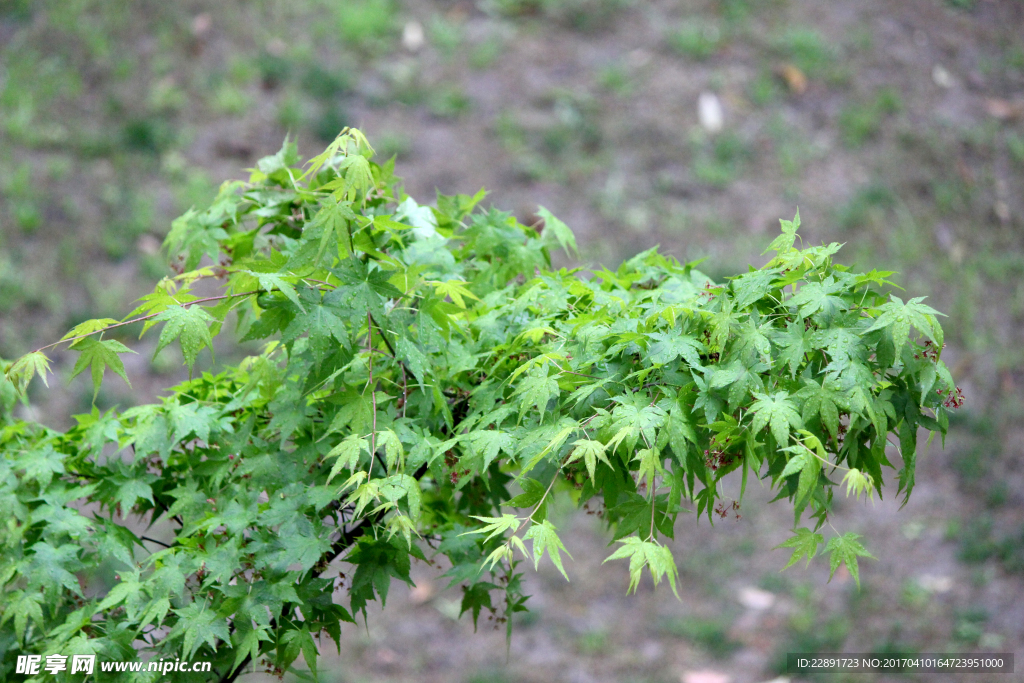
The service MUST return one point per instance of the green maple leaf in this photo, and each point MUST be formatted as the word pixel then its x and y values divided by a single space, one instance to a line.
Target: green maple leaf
pixel 668 346
pixel 488 443
pixel 49 565
pixel 41 464
pixel 399 486
pixel 680 432
pixel 657 558
pixel 304 548
pixel 536 390
pixel 88 327
pixel 454 289
pixel 752 344
pixel 751 287
pixel 269 282
pixel 632 418
pixel 785 241
pixel 846 549
pixel 899 317
pixel 333 220
pixel 779 412
pixel 545 539
pixel 795 342
pixel 299 641
pixel 98 355
pixel 130 490
pixel 362 289
pixel 561 232
pixel 23 605
pixel 497 526
pixel 842 344
pixel 190 327
pixel 808 463
pixel 819 296
pixel 822 399
pixel 200 624
pixel 321 322
pixel 804 544
pixel 357 174
pixel 21 371
pixel 591 452
pixel 191 418
pixel 250 644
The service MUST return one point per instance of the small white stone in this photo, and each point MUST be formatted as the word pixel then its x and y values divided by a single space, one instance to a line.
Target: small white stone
pixel 755 598
pixel 709 109
pixel 412 36
pixel 706 676
pixel 942 78
pixel 935 584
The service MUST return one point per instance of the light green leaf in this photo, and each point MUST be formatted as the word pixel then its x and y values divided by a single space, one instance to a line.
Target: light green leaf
pixel 846 549
pixel 779 412
pixel 496 525
pixel 591 452
pixel 559 230
pixel 545 538
pixel 98 355
pixel 271 281
pixel 657 558
pixel 785 241
pixel 347 452
pixel 804 544
pixel 191 325
pixel 21 371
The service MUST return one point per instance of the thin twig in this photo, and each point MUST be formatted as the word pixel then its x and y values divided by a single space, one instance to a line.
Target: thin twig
pixel 153 540
pixel 373 392
pixel 144 317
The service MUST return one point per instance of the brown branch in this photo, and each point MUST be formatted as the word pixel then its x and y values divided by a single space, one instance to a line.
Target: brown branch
pixel 144 317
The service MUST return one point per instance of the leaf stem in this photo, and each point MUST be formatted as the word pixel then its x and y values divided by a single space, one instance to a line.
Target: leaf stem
pixel 141 318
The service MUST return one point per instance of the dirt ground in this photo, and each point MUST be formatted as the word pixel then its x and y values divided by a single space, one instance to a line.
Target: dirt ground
pixel 895 127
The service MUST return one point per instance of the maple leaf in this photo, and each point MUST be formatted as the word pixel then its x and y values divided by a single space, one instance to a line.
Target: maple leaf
pixel 496 525
pixel 558 230
pixel 785 241
pixel 819 296
pixel 98 355
pixel 200 624
pixel 536 390
pixel 488 442
pixel 455 289
pixel 657 558
pixel 795 342
pixel 779 412
pixel 362 289
pixel 822 399
pixel 804 544
pixel 273 281
pixel 21 371
pixel 321 322
pixel 591 452
pixel 545 539
pixel 348 453
pixel 753 286
pixel 89 327
pixel 899 317
pixel 188 325
pixel 846 549
pixel 668 346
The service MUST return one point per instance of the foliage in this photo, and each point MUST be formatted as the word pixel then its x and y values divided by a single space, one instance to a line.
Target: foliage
pixel 420 365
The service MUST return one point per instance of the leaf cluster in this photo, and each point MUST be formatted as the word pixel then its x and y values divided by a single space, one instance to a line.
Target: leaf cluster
pixel 427 383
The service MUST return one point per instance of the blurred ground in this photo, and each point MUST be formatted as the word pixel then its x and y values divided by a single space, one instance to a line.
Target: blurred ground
pixel 896 127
